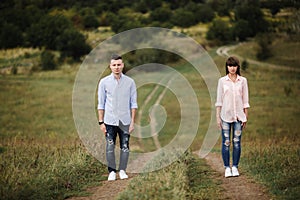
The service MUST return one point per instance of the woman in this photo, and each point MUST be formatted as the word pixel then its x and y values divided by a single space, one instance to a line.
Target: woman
pixel 232 112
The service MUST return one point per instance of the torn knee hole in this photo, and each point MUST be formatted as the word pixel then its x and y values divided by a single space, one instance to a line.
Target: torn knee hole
pixel 237 133
pixel 110 142
pixel 125 149
pixel 227 143
pixel 226 135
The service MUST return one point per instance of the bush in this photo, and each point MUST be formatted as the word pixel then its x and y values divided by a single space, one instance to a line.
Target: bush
pixel 48 61
pixel 90 21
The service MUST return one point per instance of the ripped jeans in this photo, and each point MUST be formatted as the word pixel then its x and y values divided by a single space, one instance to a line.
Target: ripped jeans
pixel 111 135
pixel 236 128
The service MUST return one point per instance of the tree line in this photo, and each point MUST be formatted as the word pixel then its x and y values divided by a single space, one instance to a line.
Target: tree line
pixel 56 24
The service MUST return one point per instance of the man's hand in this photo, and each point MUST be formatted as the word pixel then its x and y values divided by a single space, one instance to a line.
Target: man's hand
pixel 131 127
pixel 103 129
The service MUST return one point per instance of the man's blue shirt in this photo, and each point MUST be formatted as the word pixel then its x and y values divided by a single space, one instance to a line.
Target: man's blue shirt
pixel 117 98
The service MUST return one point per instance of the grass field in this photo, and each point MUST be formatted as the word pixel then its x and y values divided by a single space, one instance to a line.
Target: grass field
pixel 271 143
pixel 42 156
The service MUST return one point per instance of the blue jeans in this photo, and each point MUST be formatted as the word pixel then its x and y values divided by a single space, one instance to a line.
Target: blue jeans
pixel 236 128
pixel 111 135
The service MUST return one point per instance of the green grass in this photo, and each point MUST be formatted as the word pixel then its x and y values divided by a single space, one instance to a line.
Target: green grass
pixel 31 169
pixel 284 51
pixel 42 156
pixel 187 178
pixel 276 165
pixel 270 141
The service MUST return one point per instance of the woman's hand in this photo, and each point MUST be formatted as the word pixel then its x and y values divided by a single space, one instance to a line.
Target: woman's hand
pixel 219 123
pixel 244 125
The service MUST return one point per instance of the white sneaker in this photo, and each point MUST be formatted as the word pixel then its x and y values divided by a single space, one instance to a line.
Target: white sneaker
pixel 228 172
pixel 235 171
pixel 112 176
pixel 123 174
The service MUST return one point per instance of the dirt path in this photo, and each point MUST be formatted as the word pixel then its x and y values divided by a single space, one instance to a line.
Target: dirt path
pixel 236 188
pixel 107 191
pixel 239 188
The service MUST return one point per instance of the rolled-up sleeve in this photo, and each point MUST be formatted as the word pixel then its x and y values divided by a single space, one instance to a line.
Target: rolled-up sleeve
pixel 101 96
pixel 219 101
pixel 245 94
pixel 133 96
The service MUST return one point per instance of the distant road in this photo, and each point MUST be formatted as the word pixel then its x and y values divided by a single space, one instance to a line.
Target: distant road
pixel 223 51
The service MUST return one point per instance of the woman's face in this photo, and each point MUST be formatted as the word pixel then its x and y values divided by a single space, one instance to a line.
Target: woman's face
pixel 232 69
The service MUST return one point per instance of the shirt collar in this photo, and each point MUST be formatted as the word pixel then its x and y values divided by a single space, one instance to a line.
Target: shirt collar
pixel 238 77
pixel 112 75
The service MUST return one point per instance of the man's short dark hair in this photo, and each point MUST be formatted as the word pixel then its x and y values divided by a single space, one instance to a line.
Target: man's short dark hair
pixel 116 57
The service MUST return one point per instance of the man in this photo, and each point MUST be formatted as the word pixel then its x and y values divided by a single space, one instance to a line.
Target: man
pixel 117 104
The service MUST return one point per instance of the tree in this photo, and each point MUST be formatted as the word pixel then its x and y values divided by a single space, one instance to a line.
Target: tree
pixel 161 14
pixel 124 20
pixel 10 36
pixel 253 15
pixel 202 12
pixel 220 31
pixel 205 14
pixel 241 30
pixel 57 33
pixel 44 32
pixel 71 43
pixel 222 7
pixel 183 18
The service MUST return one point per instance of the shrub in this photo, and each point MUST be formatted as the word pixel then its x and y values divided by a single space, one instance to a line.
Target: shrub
pixel 48 61
pixel 245 65
pixel 264 41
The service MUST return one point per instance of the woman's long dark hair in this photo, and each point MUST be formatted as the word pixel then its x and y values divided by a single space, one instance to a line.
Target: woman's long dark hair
pixel 233 61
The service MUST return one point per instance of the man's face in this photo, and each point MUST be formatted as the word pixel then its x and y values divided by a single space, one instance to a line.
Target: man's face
pixel 116 66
